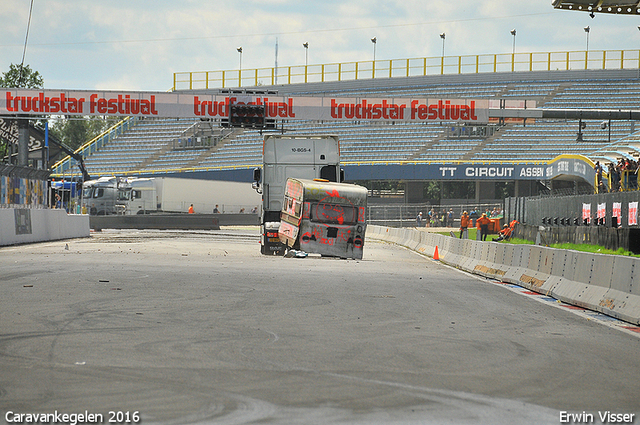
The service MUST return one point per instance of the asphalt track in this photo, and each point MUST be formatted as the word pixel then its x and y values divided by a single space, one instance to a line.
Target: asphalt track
pixel 198 327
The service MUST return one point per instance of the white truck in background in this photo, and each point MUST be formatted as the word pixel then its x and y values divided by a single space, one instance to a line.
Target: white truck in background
pixel 304 157
pixel 99 197
pixel 176 195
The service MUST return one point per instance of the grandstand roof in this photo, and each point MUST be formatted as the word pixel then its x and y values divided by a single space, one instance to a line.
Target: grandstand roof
pixel 600 6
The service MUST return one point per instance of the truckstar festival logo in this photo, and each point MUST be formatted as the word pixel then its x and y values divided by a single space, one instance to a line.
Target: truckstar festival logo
pixel 440 111
pixel 190 105
pixel 63 104
pixel 213 108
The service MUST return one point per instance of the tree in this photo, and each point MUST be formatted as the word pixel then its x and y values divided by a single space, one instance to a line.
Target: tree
pixel 76 131
pixel 21 76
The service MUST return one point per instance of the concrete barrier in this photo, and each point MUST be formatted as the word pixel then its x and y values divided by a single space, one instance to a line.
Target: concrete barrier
pixel 156 221
pixel 18 225
pixel 606 283
pixel 620 301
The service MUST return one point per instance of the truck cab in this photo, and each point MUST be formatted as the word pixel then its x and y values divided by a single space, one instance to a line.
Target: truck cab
pixel 137 196
pixel 99 196
pixel 305 157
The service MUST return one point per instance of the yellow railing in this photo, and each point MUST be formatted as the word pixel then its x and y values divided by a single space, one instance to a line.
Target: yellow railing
pixel 67 163
pixel 469 64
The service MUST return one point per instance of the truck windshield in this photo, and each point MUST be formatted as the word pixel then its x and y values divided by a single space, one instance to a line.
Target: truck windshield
pixel 333 213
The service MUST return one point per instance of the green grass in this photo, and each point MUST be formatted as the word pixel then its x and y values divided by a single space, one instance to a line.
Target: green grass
pixel 593 248
pixel 576 247
pixel 472 233
pixel 597 249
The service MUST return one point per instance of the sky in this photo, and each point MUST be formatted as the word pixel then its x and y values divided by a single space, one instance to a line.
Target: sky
pixel 139 44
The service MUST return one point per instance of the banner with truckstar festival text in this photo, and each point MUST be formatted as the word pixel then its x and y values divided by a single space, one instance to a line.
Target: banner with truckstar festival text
pixel 633 213
pixel 586 212
pixel 192 105
pixel 617 211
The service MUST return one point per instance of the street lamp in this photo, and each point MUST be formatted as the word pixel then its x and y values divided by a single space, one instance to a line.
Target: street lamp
pixel 306 53
pixel 306 59
pixel 442 36
pixel 374 40
pixel 587 30
pixel 513 33
pixel 239 49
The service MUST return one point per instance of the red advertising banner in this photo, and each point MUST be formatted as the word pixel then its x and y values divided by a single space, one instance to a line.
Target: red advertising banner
pixel 192 105
pixel 586 212
pixel 617 210
pixel 633 213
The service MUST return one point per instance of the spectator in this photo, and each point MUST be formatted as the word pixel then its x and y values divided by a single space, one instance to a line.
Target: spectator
pixel 215 210
pixel 504 234
pixel 598 169
pixel 464 223
pixel 601 187
pixel 614 175
pixel 473 216
pixel 419 219
pixel 483 224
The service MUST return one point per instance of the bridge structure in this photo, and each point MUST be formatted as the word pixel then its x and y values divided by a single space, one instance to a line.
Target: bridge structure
pixel 532 129
pixel 278 108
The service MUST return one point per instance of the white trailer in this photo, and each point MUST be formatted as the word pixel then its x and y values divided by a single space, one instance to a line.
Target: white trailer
pixel 176 195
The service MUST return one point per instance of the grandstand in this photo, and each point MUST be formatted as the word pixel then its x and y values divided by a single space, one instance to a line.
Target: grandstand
pixel 159 146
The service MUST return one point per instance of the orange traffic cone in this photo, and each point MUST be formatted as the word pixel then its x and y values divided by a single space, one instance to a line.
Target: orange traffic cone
pixel 435 254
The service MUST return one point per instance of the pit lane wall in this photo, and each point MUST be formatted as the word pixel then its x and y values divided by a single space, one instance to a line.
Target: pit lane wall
pixel 609 284
pixel 28 225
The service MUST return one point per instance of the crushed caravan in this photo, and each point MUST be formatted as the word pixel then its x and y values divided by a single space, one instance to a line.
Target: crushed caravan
pixel 324 218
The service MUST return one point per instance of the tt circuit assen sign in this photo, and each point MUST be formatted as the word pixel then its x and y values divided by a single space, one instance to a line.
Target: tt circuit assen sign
pixel 430 171
pixel 574 167
pixel 191 105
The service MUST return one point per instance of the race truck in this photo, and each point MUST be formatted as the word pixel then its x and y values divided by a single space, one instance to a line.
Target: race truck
pixel 304 157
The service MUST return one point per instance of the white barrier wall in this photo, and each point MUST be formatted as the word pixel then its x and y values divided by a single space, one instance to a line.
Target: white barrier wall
pixel 28 225
pixel 609 284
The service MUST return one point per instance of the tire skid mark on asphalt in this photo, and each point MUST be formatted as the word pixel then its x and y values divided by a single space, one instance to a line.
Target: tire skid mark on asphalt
pixel 595 316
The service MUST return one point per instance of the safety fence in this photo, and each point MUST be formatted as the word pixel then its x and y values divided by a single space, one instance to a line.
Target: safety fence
pixel 405 215
pixel 609 284
pixel 438 65
pixel 577 210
